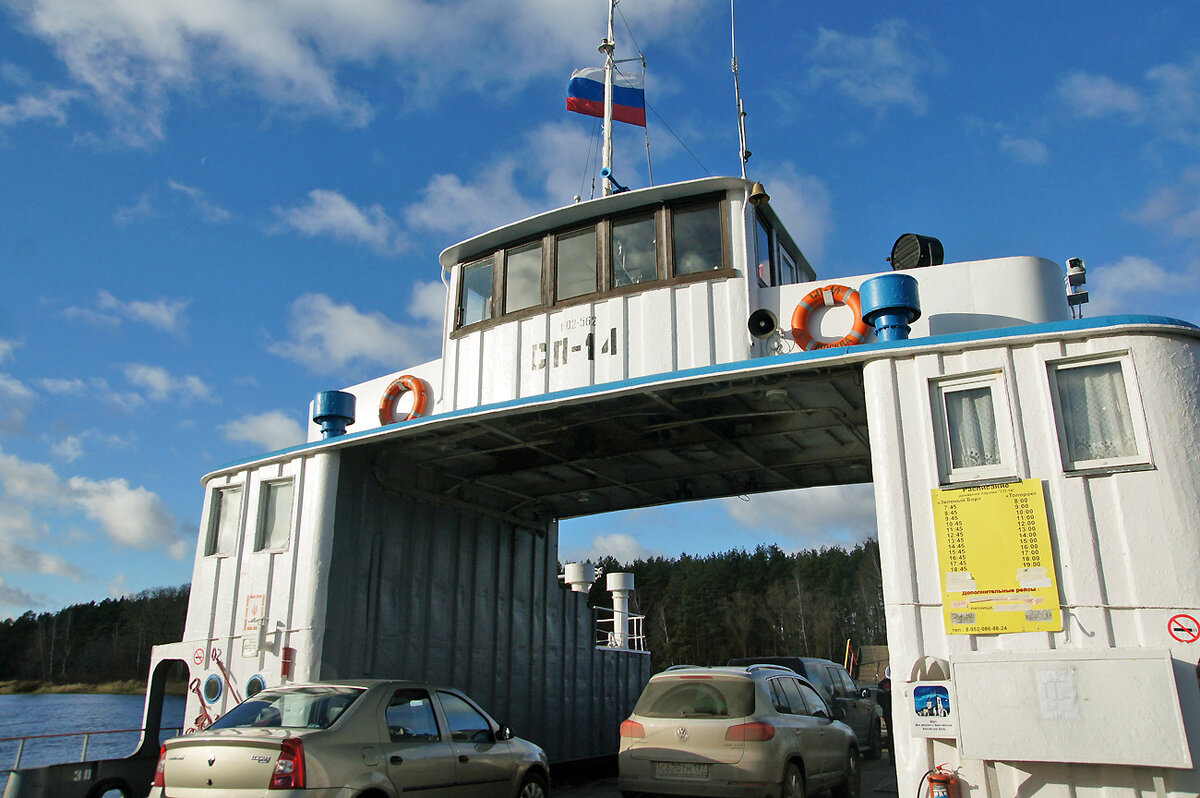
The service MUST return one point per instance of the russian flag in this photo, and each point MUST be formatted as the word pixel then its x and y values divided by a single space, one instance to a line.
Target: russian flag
pixel 585 95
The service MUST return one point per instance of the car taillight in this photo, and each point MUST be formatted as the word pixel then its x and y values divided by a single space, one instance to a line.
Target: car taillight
pixel 631 728
pixel 756 732
pixel 289 770
pixel 158 771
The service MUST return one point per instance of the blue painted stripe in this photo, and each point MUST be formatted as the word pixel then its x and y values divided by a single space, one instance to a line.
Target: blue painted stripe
pixel 1098 324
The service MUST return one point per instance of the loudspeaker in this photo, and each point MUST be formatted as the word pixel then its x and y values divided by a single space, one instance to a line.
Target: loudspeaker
pixel 762 323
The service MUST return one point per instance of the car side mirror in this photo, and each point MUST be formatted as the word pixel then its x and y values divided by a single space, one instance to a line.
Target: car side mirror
pixel 504 732
pixel 839 713
pixel 865 692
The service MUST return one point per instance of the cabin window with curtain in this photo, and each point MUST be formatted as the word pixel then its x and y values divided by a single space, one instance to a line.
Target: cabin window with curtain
pixel 224 521
pixel 762 252
pixel 523 277
pixel 475 303
pixel 576 264
pixel 634 251
pixel 698 242
pixel 275 516
pixel 974 429
pixel 1098 414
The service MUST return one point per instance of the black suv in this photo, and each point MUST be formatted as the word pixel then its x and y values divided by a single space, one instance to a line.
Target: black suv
pixel 837 688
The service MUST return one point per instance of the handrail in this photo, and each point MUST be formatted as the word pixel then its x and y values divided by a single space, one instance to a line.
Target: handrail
pixel 86 735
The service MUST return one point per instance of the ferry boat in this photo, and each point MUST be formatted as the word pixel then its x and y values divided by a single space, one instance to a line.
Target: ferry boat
pixel 1033 471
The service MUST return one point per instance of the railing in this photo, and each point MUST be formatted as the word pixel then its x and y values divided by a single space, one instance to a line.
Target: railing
pixel 607 637
pixel 20 741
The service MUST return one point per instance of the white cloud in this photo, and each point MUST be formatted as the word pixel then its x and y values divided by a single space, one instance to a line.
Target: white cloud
pixel 803 205
pixel 142 209
pixel 838 515
pixel 623 547
pixel 162 314
pixel 6 349
pixel 450 205
pixel 1025 150
pixel 329 213
pixel 1096 95
pixel 50 106
pixel 210 211
pixel 428 302
pixel 130 516
pixel 272 430
pixel 1176 208
pixel 116 586
pixel 328 337
pixel 878 71
pixel 15 398
pixel 161 385
pixel 15 597
pixel 1137 284
pixel 132 58
pixel 69 448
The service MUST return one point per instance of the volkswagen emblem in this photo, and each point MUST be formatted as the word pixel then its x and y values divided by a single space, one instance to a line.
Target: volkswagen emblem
pixel 681 733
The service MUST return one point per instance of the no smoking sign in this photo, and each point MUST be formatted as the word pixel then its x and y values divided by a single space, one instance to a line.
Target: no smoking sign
pixel 1184 628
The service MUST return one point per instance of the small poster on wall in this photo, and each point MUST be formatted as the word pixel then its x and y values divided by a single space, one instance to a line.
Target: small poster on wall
pixel 934 714
pixel 995 559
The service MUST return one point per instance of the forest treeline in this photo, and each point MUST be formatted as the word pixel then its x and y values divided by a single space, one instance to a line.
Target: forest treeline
pixel 705 610
pixel 698 611
pixel 93 643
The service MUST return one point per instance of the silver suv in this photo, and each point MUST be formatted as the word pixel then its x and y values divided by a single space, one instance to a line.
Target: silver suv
pixel 744 732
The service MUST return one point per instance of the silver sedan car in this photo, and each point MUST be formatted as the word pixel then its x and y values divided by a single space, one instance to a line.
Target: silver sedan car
pixel 366 739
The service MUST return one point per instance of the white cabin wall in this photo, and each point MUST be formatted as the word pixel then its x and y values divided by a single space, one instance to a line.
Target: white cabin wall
pixel 287 584
pixel 1125 546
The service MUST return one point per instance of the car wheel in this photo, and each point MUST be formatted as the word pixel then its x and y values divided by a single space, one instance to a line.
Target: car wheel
pixel 851 783
pixel 793 782
pixel 875 742
pixel 534 786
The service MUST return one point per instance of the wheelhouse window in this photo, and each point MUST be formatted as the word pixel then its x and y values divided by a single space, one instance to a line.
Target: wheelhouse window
pixel 698 243
pixel 762 253
pixel 477 286
pixel 224 520
pixel 576 264
pixel 275 516
pixel 523 278
pixel 634 251
pixel 974 432
pixel 1098 414
pixel 653 246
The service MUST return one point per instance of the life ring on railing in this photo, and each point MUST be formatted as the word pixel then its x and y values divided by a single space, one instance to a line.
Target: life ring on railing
pixel 397 389
pixel 829 295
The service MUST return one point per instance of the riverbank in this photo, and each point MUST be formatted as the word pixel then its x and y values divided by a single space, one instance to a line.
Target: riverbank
pixel 39 687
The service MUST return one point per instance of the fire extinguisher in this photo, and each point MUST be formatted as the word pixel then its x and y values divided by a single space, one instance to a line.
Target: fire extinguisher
pixel 942 783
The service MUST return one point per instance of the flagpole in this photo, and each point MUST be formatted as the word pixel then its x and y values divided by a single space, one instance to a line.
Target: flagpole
pixel 608 47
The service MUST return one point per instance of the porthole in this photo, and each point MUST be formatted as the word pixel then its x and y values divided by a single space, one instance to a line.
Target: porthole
pixel 255 685
pixel 213 686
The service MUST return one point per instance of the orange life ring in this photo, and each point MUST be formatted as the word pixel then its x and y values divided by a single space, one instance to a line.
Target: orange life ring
pixel 397 389
pixel 829 295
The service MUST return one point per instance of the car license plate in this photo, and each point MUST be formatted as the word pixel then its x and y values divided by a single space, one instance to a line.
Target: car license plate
pixel 681 770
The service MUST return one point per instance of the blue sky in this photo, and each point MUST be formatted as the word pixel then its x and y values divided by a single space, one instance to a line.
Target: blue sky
pixel 211 211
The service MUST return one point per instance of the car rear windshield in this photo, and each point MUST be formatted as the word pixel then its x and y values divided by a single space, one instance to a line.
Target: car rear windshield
pixel 703 697
pixel 297 708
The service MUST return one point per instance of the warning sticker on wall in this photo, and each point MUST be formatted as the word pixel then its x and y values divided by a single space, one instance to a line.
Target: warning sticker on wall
pixel 995 561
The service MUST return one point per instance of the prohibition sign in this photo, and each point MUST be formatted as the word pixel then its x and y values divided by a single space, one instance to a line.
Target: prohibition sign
pixel 1184 628
pixel 198 657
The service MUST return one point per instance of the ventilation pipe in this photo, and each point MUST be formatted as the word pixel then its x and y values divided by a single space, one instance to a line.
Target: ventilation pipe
pixel 621 587
pixel 579 576
pixel 891 304
pixel 334 411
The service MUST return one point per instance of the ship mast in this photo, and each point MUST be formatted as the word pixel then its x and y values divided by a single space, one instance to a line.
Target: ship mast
pixel 608 47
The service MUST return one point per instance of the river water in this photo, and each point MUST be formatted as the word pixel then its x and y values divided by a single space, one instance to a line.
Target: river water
pixel 29 715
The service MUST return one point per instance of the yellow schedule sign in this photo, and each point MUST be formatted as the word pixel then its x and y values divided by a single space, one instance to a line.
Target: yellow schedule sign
pixel 995 560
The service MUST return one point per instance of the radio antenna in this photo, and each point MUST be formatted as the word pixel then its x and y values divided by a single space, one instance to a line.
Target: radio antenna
pixel 743 153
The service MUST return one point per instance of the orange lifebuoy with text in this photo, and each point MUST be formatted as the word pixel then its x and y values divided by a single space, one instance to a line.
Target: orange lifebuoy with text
pixel 399 386
pixel 826 296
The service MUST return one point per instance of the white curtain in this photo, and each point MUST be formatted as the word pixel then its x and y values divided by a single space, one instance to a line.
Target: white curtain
pixel 1095 412
pixel 972 421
